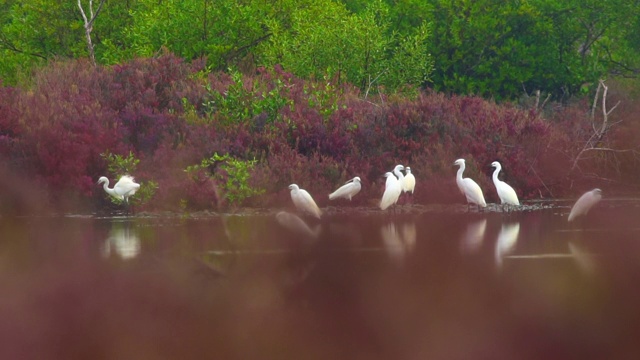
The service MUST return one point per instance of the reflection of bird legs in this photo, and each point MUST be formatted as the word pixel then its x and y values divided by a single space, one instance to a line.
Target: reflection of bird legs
pixel 128 207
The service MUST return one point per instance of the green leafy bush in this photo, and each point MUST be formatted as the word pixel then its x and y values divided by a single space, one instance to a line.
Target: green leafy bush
pixel 231 174
pixel 241 103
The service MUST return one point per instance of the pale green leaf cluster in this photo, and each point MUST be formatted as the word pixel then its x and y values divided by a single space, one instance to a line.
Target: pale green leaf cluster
pixel 230 174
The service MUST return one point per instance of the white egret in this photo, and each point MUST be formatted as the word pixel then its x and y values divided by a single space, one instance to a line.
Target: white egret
pixel 348 190
pixel 303 201
pixel 398 173
pixel 468 187
pixel 409 182
pixel 506 193
pixel 585 203
pixel 123 189
pixel 392 190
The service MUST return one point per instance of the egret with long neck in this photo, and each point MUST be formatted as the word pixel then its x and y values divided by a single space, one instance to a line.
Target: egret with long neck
pixel 468 187
pixel 123 189
pixel 506 193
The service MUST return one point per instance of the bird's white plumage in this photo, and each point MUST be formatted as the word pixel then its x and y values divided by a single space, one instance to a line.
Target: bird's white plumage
pixel 123 189
pixel 409 182
pixel 392 190
pixel 585 203
pixel 303 201
pixel 397 171
pixel 505 192
pixel 348 190
pixel 468 187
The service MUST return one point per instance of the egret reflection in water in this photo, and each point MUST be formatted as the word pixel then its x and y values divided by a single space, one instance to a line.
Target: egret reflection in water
pixel 122 240
pixel 473 237
pixel 506 243
pixel 398 243
pixel 582 257
pixel 296 225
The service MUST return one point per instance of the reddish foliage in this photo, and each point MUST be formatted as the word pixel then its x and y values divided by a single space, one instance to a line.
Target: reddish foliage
pixel 323 136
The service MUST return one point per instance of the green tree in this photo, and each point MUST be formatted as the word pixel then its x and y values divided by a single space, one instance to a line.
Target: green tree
pixel 325 38
pixel 32 32
pixel 497 48
pixel 224 31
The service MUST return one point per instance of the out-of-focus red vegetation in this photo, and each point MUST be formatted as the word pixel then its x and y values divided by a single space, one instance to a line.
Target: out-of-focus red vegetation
pixel 315 134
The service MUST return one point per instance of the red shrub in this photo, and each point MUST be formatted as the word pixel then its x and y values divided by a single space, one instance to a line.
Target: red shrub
pixel 315 134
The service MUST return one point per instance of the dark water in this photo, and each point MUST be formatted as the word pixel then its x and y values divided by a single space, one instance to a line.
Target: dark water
pixel 438 285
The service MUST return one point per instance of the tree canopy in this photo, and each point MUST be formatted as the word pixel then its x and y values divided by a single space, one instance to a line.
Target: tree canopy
pixel 497 49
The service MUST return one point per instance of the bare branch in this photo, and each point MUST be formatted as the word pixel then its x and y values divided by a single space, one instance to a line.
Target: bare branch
pixel 614 107
pixel 93 17
pixel 541 181
pixel 595 140
pixel 595 101
pixel 371 82
pixel 8 45
pixel 84 16
pixel 545 101
pixel 88 25
pixel 634 151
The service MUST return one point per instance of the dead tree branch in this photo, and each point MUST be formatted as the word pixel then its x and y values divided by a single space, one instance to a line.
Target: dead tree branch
pixel 88 25
pixel 599 132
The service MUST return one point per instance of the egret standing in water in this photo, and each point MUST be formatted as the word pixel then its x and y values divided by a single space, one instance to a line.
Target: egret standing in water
pixel 348 190
pixel 392 190
pixel 468 187
pixel 409 182
pixel 303 201
pixel 123 189
pixel 585 203
pixel 506 193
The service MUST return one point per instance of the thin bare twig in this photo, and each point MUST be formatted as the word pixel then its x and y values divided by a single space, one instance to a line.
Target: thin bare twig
pixel 541 181
pixel 88 25
pixel 598 134
pixel 371 82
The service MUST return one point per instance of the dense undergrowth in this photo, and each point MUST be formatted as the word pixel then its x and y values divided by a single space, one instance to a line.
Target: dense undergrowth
pixel 276 129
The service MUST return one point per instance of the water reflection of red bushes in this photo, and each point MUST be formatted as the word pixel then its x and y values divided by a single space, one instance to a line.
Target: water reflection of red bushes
pixel 324 134
pixel 341 297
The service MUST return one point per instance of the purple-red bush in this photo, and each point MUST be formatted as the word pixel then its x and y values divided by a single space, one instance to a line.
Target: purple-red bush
pixel 315 134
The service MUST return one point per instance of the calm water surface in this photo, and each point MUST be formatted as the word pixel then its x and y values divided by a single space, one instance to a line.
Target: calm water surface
pixel 436 285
